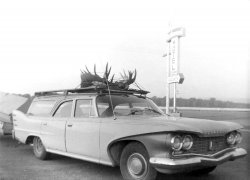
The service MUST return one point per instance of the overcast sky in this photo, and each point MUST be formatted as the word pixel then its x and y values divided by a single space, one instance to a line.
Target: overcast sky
pixel 44 44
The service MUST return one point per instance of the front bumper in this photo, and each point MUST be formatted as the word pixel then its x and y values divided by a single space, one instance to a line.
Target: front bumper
pixel 166 165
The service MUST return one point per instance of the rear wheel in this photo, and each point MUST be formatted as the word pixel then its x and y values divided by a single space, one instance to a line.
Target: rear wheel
pixel 39 149
pixel 204 171
pixel 134 163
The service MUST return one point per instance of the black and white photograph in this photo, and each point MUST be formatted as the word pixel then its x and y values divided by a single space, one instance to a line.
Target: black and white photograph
pixel 124 90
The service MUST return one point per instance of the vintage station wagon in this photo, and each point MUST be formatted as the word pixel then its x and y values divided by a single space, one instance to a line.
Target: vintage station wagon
pixel 124 128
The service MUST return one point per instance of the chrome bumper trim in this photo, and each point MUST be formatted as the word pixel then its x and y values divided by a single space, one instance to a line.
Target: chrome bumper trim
pixel 13 134
pixel 204 155
pixel 193 161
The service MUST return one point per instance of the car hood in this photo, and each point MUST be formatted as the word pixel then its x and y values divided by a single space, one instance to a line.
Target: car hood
pixel 203 127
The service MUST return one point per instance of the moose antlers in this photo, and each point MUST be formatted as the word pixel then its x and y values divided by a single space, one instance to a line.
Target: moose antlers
pixel 89 79
pixel 129 78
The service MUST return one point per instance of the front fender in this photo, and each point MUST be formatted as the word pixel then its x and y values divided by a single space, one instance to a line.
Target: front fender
pixel 155 145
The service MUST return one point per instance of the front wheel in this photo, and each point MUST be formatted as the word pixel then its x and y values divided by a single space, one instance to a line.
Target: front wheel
pixel 39 149
pixel 134 163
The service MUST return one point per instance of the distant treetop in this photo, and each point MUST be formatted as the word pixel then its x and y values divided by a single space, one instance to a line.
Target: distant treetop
pixel 193 102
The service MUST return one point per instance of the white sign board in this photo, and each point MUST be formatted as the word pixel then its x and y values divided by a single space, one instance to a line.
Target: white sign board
pixel 176 79
pixel 174 57
pixel 177 32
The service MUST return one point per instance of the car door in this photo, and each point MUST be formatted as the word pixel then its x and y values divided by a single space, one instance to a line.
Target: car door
pixel 82 131
pixel 53 129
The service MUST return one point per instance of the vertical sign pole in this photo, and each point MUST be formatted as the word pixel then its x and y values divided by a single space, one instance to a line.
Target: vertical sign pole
pixel 174 99
pixel 174 63
pixel 176 68
pixel 168 85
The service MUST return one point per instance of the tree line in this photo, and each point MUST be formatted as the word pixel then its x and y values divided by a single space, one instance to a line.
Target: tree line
pixel 197 102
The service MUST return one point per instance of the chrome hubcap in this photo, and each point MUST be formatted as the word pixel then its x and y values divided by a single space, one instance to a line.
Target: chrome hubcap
pixel 137 165
pixel 39 145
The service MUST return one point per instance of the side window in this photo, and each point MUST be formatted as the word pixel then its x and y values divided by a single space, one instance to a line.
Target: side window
pixel 103 109
pixel 122 109
pixel 64 110
pixel 41 108
pixel 84 108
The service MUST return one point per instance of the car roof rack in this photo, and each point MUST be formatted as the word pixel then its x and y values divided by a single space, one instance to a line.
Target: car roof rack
pixel 92 89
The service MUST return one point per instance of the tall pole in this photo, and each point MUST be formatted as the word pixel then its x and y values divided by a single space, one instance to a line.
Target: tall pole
pixel 168 85
pixel 174 99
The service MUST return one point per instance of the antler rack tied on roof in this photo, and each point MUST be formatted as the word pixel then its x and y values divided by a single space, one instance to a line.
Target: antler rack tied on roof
pixel 90 79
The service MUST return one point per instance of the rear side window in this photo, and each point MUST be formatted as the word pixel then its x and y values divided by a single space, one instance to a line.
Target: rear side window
pixel 84 108
pixel 41 108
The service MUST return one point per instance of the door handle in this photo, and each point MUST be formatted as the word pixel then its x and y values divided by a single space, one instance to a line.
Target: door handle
pixel 45 124
pixel 70 125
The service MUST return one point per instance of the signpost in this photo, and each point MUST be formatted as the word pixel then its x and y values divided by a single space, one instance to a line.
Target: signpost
pixel 173 64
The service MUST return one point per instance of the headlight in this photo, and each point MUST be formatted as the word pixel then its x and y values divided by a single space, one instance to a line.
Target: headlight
pixel 231 138
pixel 176 143
pixel 187 142
pixel 238 138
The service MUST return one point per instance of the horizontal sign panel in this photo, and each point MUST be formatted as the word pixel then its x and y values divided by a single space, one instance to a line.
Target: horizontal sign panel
pixel 176 79
pixel 177 32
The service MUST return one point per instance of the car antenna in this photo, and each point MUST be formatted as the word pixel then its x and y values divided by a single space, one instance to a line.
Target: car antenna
pixel 110 98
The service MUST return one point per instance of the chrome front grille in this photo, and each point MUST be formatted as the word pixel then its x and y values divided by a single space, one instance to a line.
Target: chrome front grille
pixel 207 145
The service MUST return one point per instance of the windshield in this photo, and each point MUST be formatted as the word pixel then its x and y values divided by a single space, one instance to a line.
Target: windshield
pixel 126 105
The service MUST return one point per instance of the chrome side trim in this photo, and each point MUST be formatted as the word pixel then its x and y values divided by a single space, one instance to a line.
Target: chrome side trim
pixel 13 134
pixel 27 131
pixel 204 155
pixel 81 157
